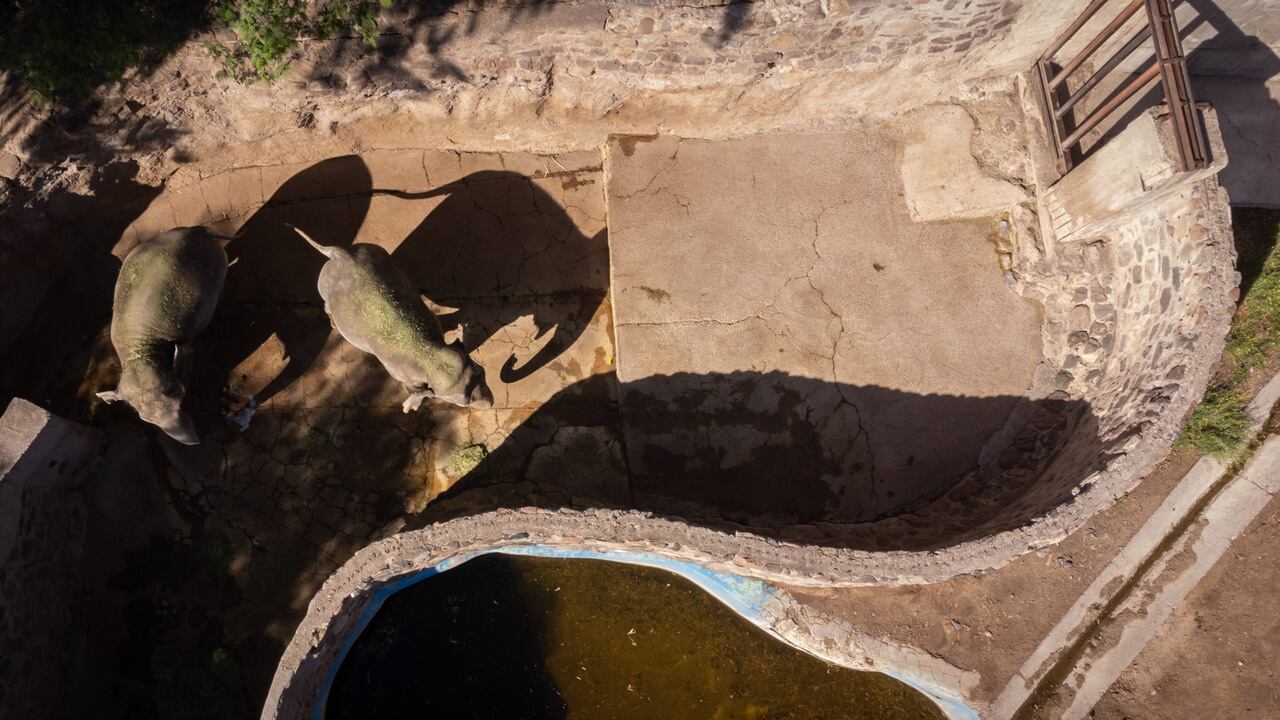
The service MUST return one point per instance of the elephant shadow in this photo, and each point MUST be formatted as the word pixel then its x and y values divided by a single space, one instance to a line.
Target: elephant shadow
pixel 271 282
pixel 498 248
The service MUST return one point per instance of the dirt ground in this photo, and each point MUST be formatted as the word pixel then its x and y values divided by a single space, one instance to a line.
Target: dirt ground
pixel 992 623
pixel 1219 655
pixel 202 559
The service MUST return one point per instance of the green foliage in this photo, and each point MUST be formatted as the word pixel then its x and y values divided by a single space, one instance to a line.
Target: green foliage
pixel 268 31
pixel 1256 329
pixel 1218 426
pixel 66 48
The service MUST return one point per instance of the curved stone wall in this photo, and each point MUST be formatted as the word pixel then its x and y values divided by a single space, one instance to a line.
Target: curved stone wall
pixel 349 597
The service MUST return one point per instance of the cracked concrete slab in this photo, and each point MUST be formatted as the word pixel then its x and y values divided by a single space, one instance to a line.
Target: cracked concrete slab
pixel 941 177
pixel 796 259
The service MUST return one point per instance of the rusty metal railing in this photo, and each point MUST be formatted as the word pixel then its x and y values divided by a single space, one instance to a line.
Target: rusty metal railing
pixel 1169 65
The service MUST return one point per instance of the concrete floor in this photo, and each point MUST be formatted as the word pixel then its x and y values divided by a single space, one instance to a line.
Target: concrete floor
pixel 792 345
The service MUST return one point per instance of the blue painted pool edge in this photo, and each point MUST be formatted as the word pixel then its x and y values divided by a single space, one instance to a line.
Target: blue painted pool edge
pixel 746 596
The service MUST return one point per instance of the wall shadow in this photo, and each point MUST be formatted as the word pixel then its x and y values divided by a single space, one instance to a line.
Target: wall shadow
pixel 499 247
pixel 791 458
pixel 1255 231
pixel 463 644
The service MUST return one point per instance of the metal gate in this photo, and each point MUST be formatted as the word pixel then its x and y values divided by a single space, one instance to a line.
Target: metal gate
pixel 1170 66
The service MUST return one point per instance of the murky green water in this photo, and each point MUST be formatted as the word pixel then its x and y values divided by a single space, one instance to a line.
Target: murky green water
pixel 508 637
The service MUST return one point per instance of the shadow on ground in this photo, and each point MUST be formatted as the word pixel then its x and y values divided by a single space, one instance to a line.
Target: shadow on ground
pixel 791 458
pixel 500 248
pixel 271 283
pixel 201 559
pixel 59 310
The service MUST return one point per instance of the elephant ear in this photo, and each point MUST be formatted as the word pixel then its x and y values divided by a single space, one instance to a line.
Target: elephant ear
pixel 109 396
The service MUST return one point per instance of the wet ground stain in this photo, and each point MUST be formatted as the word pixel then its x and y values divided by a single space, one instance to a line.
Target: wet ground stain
pixel 539 638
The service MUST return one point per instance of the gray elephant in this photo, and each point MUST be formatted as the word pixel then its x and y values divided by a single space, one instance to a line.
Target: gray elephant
pixel 375 307
pixel 165 295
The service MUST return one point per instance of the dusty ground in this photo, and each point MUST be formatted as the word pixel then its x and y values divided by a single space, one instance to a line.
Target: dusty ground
pixel 992 623
pixel 1217 656
pixel 200 561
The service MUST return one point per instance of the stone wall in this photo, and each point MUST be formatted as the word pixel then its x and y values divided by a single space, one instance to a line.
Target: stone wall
pixel 1135 266
pixel 339 608
pixel 43 458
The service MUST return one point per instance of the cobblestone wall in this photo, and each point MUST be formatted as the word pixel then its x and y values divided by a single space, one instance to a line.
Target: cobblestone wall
pixel 1138 300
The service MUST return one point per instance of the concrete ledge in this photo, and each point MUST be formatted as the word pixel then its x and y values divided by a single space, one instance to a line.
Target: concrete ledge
pixel 39 449
pixel 349 597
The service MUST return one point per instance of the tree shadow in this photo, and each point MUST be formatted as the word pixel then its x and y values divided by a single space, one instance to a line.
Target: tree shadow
pixel 499 247
pixel 271 283
pixel 65 48
pixel 794 458
pixel 462 645
pixel 243 529
pixel 432 25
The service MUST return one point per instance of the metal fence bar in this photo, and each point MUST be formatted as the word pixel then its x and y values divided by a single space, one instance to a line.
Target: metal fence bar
pixel 1103 36
pixel 1105 70
pixel 1170 67
pixel 1066 35
pixel 1092 119
pixel 1188 132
